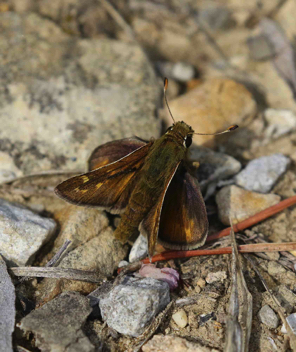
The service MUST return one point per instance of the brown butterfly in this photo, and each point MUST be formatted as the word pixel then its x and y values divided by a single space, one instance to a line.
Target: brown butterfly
pixel 150 183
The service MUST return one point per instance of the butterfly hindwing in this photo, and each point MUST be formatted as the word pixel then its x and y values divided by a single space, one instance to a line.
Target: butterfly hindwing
pixel 107 187
pixel 183 221
pixel 150 225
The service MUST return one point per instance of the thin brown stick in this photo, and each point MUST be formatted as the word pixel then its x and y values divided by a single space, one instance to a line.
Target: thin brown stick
pixel 255 219
pixel 247 248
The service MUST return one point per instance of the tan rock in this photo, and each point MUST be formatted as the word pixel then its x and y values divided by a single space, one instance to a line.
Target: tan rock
pixel 213 106
pixel 238 204
pixel 180 318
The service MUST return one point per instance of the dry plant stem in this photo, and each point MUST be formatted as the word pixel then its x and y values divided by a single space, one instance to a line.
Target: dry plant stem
pixel 58 255
pixel 255 219
pixel 247 248
pixel 58 273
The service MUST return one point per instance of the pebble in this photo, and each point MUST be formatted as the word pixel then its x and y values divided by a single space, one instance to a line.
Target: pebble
pixel 259 47
pixel 183 71
pixel 22 232
pixel 279 122
pixel 268 317
pixel 7 309
pixel 261 174
pixel 122 263
pixel 139 249
pixel 180 318
pixel 291 319
pixel 57 324
pixel 180 71
pixel 216 17
pixel 201 283
pixel 240 204
pixel 286 297
pixel 218 276
pixel 130 306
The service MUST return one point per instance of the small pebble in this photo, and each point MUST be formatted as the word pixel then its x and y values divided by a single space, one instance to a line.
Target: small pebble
pixel 183 71
pixel 215 277
pixel 201 283
pixel 291 319
pixel 139 249
pixel 123 263
pixel 261 174
pixel 268 317
pixel 197 289
pixel 260 48
pixel 279 122
pixel 180 318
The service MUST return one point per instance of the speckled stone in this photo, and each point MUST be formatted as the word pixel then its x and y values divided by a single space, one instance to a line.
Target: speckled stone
pixel 131 306
pixel 261 174
pixel 268 317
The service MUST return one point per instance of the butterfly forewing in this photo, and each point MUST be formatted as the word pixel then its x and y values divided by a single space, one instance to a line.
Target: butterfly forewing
pixel 183 221
pixel 107 187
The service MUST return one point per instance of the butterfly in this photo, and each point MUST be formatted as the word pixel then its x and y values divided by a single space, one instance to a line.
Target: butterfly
pixel 151 184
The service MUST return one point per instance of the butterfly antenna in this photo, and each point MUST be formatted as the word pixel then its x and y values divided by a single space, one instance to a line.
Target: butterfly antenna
pixel 165 87
pixel 229 129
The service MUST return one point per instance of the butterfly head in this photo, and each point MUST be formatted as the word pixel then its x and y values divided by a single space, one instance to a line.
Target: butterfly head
pixel 182 132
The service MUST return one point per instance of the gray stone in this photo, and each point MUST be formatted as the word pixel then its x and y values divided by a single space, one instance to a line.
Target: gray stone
pixel 7 309
pixel 57 325
pixel 68 95
pixel 139 249
pixel 261 174
pixel 260 48
pixel 291 319
pixel 129 307
pixel 279 122
pixel 286 298
pixel 215 17
pixel 213 167
pixel 268 317
pixel 22 232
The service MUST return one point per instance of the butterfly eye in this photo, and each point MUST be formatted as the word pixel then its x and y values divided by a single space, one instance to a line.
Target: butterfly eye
pixel 169 129
pixel 187 141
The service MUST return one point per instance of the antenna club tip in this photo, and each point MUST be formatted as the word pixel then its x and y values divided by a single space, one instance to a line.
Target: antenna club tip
pixel 232 128
pixel 165 83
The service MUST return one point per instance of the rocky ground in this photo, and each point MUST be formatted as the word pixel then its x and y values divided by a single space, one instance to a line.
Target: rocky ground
pixel 76 74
